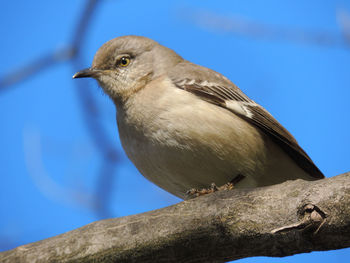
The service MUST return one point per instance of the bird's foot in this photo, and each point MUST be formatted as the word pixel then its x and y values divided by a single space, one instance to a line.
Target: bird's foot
pixel 192 193
pixel 227 186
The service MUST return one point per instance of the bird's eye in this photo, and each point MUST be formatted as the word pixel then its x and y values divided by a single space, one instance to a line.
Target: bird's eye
pixel 123 62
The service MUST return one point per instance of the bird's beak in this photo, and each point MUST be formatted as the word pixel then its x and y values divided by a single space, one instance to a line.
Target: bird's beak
pixel 86 73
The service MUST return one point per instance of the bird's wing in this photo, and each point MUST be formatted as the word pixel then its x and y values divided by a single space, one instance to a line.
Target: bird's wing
pixel 220 91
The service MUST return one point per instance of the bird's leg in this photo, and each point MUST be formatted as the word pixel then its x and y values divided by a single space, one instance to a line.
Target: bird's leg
pixel 237 179
pixel 192 193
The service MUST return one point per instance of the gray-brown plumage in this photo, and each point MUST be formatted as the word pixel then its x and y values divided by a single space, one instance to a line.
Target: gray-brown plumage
pixel 185 126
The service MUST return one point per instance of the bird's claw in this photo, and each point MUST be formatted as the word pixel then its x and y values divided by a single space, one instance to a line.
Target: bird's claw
pixel 192 193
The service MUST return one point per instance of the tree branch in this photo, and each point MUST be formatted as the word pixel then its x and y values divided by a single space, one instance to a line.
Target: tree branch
pixel 280 220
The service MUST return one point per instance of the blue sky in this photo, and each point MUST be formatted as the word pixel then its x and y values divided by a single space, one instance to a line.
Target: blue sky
pixel 53 175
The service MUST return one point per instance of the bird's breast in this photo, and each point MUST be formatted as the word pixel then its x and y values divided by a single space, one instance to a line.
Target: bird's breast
pixel 179 141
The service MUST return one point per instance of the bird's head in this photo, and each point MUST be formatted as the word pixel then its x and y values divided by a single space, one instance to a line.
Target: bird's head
pixel 125 64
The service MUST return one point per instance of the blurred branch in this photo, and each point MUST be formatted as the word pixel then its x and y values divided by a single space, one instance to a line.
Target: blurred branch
pixel 245 27
pixel 280 220
pixel 343 17
pixel 72 54
pixel 83 23
pixel 36 66
pixel 92 119
pixel 57 56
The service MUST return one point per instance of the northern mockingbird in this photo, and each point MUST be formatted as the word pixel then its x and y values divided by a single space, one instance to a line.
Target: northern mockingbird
pixel 185 126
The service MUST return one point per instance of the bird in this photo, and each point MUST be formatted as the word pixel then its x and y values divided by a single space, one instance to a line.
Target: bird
pixel 188 128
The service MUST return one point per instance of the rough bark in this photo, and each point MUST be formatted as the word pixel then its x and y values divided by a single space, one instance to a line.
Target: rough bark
pixel 280 220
